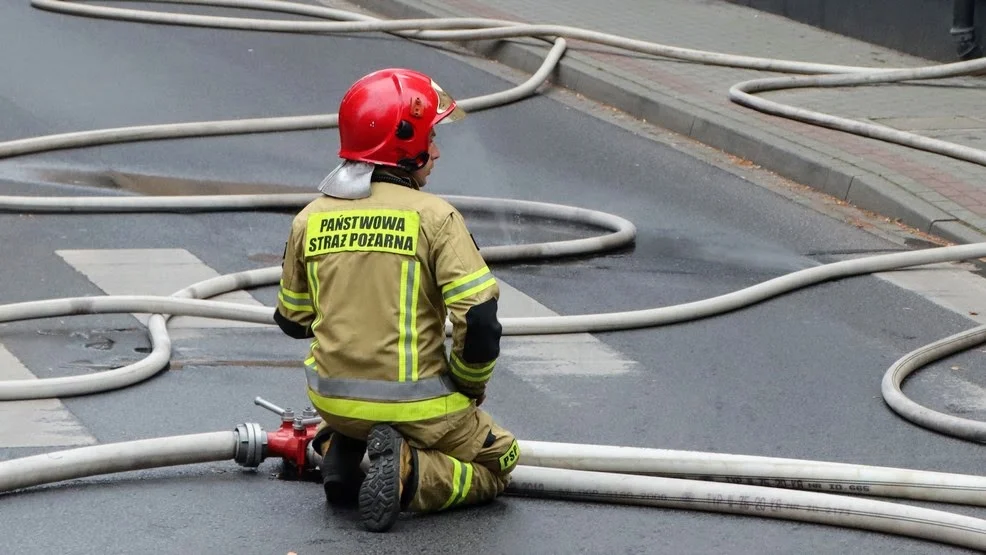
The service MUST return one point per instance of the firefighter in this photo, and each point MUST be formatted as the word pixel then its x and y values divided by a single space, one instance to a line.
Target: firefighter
pixel 371 271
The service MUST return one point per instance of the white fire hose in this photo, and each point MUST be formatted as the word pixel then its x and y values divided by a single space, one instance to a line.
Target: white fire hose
pixel 757 486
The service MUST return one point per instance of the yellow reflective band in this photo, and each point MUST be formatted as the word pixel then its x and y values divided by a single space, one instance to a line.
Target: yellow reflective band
pixel 456 483
pixel 485 285
pixel 380 230
pixel 376 390
pixel 313 287
pixel 407 338
pixel 305 306
pixel 466 281
pixel 402 354
pixel 294 295
pixel 413 309
pixel 466 483
pixel 310 361
pixel 469 373
pixel 469 285
pixel 390 412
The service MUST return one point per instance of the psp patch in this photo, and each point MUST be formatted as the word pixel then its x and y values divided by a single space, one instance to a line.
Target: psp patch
pixel 509 458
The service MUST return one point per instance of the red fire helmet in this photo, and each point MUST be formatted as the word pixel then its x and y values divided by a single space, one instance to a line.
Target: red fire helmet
pixel 386 118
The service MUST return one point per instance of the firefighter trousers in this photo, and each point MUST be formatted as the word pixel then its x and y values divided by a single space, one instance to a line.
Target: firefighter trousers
pixel 459 459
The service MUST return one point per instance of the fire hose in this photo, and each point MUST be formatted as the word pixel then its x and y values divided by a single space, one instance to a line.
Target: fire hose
pixel 759 486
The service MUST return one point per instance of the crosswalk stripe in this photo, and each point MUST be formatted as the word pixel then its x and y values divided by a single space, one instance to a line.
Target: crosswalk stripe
pixel 153 272
pixel 164 271
pixel 574 354
pixel 36 423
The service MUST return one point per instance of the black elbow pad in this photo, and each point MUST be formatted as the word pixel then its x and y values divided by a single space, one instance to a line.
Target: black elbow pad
pixel 291 328
pixel 483 330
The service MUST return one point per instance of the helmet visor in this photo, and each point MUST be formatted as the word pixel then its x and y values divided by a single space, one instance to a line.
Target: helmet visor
pixel 447 110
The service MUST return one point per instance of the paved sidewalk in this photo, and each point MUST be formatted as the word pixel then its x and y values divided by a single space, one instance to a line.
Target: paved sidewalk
pixel 936 194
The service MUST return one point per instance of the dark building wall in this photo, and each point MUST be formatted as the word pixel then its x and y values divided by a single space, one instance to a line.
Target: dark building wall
pixel 919 27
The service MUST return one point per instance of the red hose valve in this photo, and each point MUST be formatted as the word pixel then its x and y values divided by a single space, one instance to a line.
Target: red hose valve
pixel 291 440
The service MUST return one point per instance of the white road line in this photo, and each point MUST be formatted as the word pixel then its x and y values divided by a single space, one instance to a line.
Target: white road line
pixel 949 285
pixel 153 272
pixel 39 423
pixel 534 357
pixel 958 394
pixel 164 271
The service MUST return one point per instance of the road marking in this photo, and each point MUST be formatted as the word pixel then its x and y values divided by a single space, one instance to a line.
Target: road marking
pixel 164 271
pixel 153 272
pixel 36 423
pixel 578 354
pixel 954 286
pixel 958 395
pixel 954 391
pixel 949 285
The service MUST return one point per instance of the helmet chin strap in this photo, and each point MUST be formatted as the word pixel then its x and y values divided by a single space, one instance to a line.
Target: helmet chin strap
pixel 413 164
pixel 397 176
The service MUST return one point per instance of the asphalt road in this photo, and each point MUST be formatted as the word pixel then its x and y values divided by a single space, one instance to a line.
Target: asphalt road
pixel 797 376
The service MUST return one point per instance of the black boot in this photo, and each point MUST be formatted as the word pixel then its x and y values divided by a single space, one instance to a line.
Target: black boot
pixel 341 474
pixel 391 469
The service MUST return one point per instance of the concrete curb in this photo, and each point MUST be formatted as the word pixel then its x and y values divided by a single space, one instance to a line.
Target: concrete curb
pixel 832 176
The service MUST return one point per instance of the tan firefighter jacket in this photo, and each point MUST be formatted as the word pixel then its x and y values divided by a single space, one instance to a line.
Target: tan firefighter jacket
pixel 372 280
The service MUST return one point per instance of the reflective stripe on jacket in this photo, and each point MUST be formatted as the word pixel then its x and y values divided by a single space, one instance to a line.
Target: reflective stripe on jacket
pixel 375 280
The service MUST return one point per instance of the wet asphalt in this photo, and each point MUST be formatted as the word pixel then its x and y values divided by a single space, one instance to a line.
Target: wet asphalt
pixel 797 376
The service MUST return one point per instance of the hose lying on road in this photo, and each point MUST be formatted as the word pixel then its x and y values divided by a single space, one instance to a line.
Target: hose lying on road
pixel 125 456
pixel 463 29
pixel 865 514
pixel 819 476
pixel 621 233
pixel 80 139
pixel 577 484
pixel 964 428
pixel 545 481
pixel 597 473
pixel 103 381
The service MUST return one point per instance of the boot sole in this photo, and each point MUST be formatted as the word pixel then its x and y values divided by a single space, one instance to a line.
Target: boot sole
pixel 379 496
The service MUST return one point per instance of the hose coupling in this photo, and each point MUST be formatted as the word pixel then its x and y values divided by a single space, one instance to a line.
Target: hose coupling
pixel 251 445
